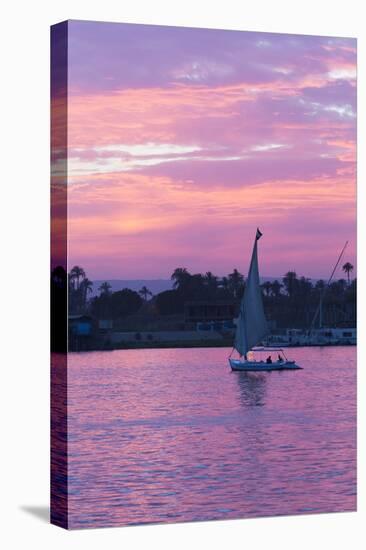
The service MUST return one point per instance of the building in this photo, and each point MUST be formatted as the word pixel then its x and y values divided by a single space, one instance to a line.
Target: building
pixel 80 332
pixel 213 315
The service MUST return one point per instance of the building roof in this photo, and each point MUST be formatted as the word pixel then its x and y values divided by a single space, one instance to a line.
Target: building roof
pixel 79 317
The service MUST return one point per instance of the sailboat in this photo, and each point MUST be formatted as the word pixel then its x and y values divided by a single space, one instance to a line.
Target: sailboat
pixel 252 327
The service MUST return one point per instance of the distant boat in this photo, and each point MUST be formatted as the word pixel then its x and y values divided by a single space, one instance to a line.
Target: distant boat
pixel 251 327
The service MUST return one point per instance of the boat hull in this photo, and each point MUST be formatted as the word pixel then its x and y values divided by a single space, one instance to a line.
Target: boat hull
pixel 262 366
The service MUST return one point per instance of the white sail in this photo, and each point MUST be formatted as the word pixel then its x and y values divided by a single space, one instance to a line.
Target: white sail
pixel 251 325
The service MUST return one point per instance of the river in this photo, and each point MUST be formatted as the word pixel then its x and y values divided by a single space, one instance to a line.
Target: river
pixel 173 435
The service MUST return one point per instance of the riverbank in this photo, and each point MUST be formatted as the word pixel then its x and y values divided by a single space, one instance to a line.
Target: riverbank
pixel 108 346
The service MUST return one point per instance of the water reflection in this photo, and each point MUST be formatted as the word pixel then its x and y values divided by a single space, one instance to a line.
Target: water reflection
pixel 252 388
pixel 149 444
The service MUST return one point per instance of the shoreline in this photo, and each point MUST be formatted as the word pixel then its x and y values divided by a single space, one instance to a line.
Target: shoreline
pixel 194 344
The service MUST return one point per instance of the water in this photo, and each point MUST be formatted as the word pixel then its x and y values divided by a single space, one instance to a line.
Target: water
pixel 173 435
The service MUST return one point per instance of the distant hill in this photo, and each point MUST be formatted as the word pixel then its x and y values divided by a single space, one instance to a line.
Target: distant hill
pixel 154 285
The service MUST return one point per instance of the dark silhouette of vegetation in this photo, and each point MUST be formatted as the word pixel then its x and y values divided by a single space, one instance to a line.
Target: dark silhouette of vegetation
pixel 79 287
pixel 170 302
pixel 105 288
pixel 348 268
pixel 116 305
pixel 179 276
pixel 295 305
pixel 145 292
pixel 76 274
pixel 290 303
pixel 86 286
pixel 236 283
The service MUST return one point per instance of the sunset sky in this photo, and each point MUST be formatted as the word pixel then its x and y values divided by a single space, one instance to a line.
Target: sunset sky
pixel 183 141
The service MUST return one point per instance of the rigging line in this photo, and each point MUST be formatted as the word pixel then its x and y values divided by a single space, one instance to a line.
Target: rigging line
pixel 336 265
pixel 326 286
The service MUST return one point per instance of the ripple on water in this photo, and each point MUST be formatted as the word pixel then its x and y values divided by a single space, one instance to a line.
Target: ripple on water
pixel 149 443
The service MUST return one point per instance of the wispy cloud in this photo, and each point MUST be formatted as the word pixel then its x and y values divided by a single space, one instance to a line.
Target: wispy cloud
pixel 182 139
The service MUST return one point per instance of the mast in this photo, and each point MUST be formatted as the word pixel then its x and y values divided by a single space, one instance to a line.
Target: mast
pixel 319 310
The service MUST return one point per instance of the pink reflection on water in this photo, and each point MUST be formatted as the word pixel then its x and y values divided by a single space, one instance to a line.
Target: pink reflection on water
pixel 174 435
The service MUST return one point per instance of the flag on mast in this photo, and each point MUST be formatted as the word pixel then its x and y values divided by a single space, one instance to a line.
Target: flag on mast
pixel 258 235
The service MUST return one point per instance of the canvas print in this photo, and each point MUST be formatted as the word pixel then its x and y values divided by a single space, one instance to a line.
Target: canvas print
pixel 203 274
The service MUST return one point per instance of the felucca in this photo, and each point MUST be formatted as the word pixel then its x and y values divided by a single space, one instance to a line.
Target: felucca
pixel 252 327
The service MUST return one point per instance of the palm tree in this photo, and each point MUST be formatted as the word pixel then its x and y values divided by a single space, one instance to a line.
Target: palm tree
pixel 145 292
pixel 289 281
pixel 211 280
pixel 77 273
pixel 105 288
pixel 347 268
pixel 236 280
pixel 86 286
pixel 179 276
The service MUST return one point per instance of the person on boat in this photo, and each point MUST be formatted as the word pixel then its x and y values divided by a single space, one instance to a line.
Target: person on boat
pixel 269 359
pixel 280 359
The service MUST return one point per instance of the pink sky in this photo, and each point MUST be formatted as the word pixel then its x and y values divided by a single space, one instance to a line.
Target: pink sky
pixel 183 141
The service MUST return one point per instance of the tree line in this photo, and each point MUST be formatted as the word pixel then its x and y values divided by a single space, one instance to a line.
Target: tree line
pixel 290 301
